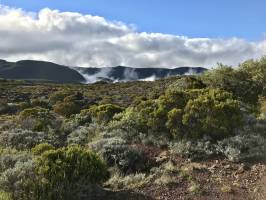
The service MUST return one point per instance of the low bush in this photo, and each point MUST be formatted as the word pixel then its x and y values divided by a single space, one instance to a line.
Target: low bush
pixel 188 82
pixel 66 109
pixel 104 113
pixel 58 96
pixel 41 148
pixel 81 136
pixel 38 119
pixel 66 171
pixel 194 150
pixel 23 139
pixel 128 160
pixel 243 147
pixel 20 181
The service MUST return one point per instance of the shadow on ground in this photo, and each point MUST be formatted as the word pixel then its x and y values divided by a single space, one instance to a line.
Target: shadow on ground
pixel 97 193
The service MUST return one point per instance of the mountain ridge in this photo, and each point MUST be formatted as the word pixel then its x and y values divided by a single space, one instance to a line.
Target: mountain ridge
pixel 42 70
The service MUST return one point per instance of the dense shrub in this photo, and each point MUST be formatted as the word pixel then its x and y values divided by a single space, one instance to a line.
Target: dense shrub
pixel 237 81
pixel 66 109
pixel 256 70
pixel 41 148
pixel 188 82
pixel 183 114
pixel 128 160
pixel 194 149
pixel 262 107
pixel 104 113
pixel 243 147
pixel 23 139
pixel 9 158
pixel 40 103
pixel 38 119
pixel 214 114
pixel 58 96
pixel 67 170
pixel 20 181
pixel 81 136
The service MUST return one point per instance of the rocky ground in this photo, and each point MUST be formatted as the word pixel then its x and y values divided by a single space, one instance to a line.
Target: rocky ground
pixel 202 180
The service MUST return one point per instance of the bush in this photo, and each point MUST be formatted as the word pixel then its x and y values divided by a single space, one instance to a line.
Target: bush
pixel 81 136
pixel 23 139
pixel 66 109
pixel 41 148
pixel 215 114
pixel 188 82
pixel 9 158
pixel 65 171
pixel 127 159
pixel 243 147
pixel 194 149
pixel 40 103
pixel 38 119
pixel 262 107
pixel 189 114
pixel 58 96
pixel 20 181
pixel 104 113
pixel 239 82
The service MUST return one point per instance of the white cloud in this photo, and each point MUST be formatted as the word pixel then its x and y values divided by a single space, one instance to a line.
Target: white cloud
pixel 84 40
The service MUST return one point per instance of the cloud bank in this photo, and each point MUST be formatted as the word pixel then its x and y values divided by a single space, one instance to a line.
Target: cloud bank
pixel 75 39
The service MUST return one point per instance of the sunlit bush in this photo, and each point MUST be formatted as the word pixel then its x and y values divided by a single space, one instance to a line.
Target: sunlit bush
pixel 65 171
pixel 38 119
pixel 104 113
pixel 66 109
pixel 23 139
pixel 214 114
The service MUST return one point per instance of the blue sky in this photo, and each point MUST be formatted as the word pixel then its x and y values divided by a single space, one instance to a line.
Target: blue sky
pixel 192 18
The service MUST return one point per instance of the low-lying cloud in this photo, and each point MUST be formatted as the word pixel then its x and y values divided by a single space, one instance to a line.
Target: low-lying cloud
pixel 75 39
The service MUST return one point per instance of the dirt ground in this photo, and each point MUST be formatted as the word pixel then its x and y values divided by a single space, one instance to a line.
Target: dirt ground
pixel 217 180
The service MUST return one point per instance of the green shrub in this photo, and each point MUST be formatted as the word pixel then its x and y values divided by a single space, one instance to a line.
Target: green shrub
pixel 38 119
pixel 40 103
pixel 215 114
pixel 58 96
pixel 41 148
pixel 65 171
pixel 104 113
pixel 190 114
pixel 240 82
pixel 66 109
pixel 5 195
pixel 262 107
pixel 188 82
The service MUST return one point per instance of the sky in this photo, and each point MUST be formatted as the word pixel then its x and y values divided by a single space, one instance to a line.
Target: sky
pixel 139 33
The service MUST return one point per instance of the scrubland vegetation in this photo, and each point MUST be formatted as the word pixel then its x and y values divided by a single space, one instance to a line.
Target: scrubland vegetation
pixel 187 137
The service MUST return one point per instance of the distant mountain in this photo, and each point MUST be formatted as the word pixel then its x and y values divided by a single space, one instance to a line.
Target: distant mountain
pixel 47 71
pixel 121 73
pixel 39 70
